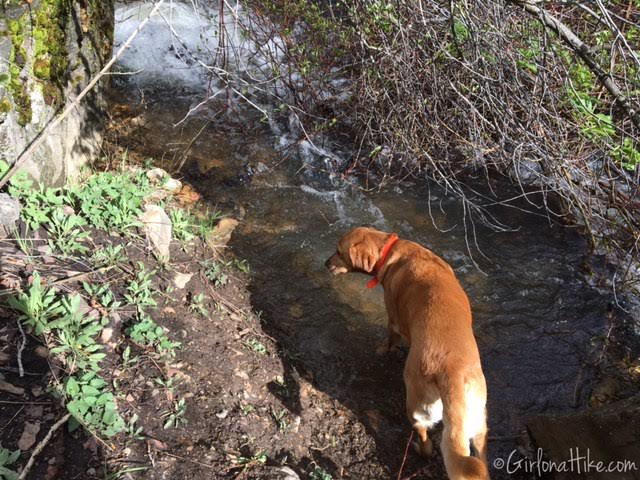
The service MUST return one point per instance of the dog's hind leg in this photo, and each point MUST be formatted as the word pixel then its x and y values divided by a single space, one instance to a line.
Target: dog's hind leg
pixel 479 442
pixel 479 438
pixel 459 429
pixel 423 418
pixel 424 408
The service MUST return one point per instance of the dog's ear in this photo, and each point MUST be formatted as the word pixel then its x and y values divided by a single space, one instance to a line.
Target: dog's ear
pixel 363 256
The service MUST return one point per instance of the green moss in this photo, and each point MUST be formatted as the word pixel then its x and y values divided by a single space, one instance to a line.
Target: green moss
pixel 48 34
pixel 5 105
pixel 17 59
pixel 41 32
pixel 45 28
pixel 42 68
pixel 101 18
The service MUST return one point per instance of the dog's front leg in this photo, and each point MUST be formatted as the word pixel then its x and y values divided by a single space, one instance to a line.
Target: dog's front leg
pixel 393 340
pixel 393 336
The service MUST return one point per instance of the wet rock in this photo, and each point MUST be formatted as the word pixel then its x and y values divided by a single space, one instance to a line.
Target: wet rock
pixel 9 214
pixel 157 227
pixel 221 233
pixel 605 434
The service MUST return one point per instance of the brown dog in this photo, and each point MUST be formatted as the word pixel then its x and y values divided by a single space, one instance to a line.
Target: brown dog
pixel 427 308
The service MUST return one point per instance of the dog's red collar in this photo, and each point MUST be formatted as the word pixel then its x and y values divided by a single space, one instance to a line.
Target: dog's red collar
pixel 383 258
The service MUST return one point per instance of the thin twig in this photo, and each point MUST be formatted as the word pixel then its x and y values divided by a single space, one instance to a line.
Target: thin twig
pixel 21 348
pixel 41 445
pixel 406 453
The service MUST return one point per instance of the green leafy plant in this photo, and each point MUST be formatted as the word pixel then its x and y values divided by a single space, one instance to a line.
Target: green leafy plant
pixel 25 244
pixel 259 457
pixel 37 307
pixel 280 417
pixel 320 473
pixel 241 265
pixel 127 359
pixel 113 201
pixel 7 457
pixel 140 290
pixel 181 224
pixel 76 337
pixel 110 255
pixel 92 405
pixel 175 416
pixel 103 295
pixel 197 305
pixel 214 273
pixel 626 154
pixel 256 346
pixel 37 203
pixel 207 221
pixel 65 232
pixel 146 332
pixel 133 430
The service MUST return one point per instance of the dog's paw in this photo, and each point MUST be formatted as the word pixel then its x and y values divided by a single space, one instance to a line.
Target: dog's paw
pixel 424 449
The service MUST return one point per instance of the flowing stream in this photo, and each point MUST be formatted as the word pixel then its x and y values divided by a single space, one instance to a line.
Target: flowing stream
pixel 535 317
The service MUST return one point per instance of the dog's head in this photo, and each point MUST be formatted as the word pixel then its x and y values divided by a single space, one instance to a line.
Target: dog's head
pixel 357 251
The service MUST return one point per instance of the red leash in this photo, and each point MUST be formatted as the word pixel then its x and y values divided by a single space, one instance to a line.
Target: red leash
pixel 406 452
pixel 383 258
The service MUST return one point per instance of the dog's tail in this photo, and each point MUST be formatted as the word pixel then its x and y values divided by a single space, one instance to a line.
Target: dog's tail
pixel 459 428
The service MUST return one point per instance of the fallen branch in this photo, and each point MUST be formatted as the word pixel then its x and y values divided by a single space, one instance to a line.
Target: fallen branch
pixel 31 149
pixel 41 445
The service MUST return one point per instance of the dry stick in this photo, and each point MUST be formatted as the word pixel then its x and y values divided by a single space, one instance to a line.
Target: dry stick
pixel 583 51
pixel 75 278
pixel 185 153
pixel 41 445
pixel 21 348
pixel 26 154
pixel 404 459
